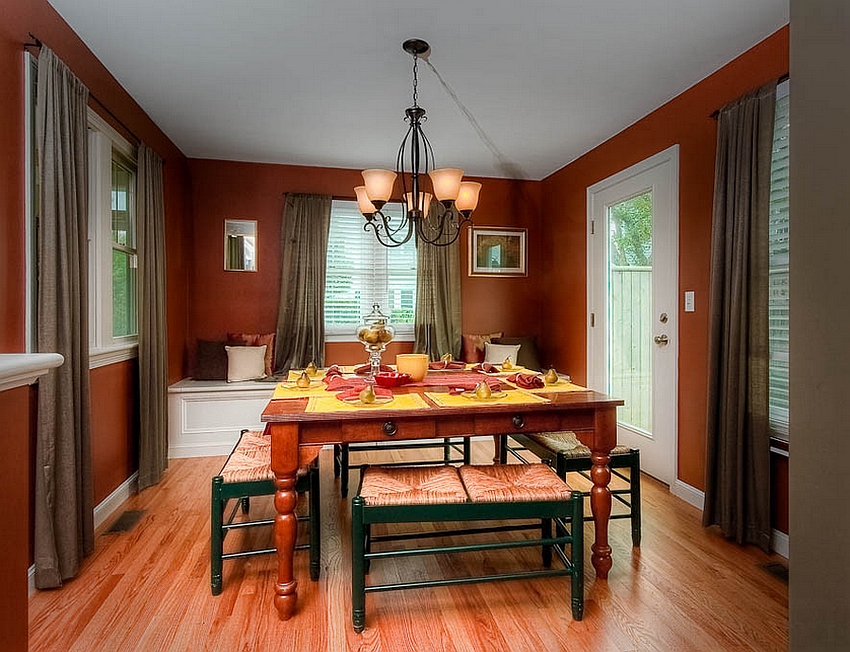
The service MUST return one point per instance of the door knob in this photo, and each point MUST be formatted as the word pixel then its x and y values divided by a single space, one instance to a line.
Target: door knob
pixel 661 339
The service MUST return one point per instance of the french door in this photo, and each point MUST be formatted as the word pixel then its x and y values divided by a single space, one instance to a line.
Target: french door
pixel 632 273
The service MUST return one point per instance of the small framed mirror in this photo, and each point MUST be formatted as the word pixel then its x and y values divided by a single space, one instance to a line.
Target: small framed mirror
pixel 240 245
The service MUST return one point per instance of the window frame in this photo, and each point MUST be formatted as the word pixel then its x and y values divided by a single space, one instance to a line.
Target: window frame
pixel 104 347
pixel 346 332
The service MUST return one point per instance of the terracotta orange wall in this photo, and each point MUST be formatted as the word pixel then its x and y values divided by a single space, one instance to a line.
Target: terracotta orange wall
pixel 248 301
pixel 16 418
pixel 684 120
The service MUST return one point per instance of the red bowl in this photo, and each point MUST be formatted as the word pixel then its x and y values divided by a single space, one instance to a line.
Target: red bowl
pixel 391 379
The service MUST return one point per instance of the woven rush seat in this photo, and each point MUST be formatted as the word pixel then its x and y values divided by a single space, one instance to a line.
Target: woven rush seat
pixel 247 473
pixel 511 483
pixel 414 485
pixel 512 495
pixel 567 444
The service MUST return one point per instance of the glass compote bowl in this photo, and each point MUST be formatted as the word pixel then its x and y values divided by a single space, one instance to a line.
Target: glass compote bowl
pixel 375 333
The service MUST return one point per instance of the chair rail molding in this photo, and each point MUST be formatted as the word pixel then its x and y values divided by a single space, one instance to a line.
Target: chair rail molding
pixel 18 369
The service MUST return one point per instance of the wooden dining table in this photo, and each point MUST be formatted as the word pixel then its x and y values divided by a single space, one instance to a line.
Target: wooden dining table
pixel 298 435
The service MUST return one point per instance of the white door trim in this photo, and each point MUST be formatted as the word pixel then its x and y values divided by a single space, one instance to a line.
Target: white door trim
pixel 669 155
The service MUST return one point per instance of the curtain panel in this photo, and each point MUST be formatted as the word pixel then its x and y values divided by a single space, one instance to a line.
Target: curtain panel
pixel 437 321
pixel 737 496
pixel 301 313
pixel 153 343
pixel 64 531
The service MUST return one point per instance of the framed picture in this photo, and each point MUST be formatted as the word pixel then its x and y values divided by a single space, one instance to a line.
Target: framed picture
pixel 497 251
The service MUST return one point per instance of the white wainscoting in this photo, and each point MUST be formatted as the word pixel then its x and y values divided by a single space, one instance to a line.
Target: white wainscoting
pixel 205 417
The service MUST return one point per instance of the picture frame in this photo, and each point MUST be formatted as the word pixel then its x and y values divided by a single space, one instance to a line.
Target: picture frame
pixel 497 251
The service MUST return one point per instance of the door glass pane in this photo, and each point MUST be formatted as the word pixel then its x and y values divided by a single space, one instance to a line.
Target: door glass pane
pixel 630 309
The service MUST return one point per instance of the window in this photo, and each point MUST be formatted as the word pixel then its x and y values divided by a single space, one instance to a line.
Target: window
pixel 778 317
pixel 361 272
pixel 112 245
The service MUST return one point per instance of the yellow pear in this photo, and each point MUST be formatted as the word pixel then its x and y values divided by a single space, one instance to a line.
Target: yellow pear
pixel 507 364
pixel 367 394
pixel 482 390
pixel 311 369
pixel 446 357
pixel 303 380
pixel 551 377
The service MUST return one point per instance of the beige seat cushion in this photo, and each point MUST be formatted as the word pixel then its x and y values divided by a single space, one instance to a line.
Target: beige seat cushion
pixel 499 483
pixel 251 459
pixel 567 444
pixel 417 485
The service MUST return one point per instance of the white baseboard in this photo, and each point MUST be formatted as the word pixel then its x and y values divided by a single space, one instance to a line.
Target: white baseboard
pixel 113 501
pixel 689 494
pixel 211 449
pixel 779 543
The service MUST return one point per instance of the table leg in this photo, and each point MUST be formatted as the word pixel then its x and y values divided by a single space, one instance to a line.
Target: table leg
pixel 285 467
pixel 605 438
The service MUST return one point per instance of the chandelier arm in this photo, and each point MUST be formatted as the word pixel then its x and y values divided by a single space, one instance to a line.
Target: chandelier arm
pixel 386 236
pixel 429 153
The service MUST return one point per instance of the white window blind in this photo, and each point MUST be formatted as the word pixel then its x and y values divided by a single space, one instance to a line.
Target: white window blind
pixel 778 298
pixel 361 272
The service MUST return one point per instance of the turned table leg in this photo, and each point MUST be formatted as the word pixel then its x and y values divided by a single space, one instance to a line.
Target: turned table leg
pixel 285 467
pixel 604 439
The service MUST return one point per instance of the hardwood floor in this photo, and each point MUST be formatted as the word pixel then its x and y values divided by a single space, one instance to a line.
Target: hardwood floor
pixel 148 589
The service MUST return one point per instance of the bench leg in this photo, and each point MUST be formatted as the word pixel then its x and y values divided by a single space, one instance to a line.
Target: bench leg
pixel 245 503
pixel 467 450
pixel 358 580
pixel 343 470
pixel 216 536
pixel 546 533
pixel 577 555
pixel 315 525
pixel 337 453
pixel 634 484
pixel 447 450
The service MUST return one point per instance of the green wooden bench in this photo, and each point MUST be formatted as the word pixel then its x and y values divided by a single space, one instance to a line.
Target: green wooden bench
pixel 247 473
pixel 467 493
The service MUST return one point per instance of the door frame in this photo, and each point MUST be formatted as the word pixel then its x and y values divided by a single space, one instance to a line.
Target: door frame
pixel 669 155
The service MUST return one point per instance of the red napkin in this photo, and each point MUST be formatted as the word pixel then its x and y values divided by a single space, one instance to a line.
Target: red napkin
pixel 366 368
pixel 446 364
pixel 527 381
pixel 460 388
pixel 486 368
pixel 380 392
pixel 333 370
pixel 338 383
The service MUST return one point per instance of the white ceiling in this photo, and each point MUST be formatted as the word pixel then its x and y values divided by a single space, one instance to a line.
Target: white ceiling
pixel 325 82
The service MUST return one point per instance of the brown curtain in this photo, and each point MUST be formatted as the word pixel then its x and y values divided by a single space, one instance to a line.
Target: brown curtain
pixel 737 496
pixel 64 532
pixel 301 315
pixel 153 344
pixel 437 321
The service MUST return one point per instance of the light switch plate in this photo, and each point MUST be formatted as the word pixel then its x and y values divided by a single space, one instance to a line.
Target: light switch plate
pixel 689 301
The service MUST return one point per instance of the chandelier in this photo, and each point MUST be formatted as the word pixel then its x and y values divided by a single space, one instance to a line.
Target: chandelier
pixel 456 199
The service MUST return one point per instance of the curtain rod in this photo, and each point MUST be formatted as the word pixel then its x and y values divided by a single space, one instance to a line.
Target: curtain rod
pixel 36 43
pixel 783 78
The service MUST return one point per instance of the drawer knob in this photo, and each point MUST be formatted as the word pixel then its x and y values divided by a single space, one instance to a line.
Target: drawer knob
pixel 389 428
pixel 518 421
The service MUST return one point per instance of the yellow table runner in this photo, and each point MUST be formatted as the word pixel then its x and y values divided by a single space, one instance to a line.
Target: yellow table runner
pixel 295 374
pixel 333 404
pixel 514 397
pixel 563 386
pixel 289 390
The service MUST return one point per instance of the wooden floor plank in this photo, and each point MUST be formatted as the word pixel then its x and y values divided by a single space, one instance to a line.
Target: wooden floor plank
pixel 685 589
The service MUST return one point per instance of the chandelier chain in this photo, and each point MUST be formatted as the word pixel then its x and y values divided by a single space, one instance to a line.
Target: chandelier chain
pixel 415 80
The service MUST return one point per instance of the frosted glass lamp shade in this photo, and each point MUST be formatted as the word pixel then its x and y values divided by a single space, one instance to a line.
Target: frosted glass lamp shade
pixel 363 202
pixel 467 198
pixel 446 182
pixel 379 185
pixel 424 201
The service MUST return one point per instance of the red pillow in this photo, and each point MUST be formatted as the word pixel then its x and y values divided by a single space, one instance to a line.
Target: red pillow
pixel 472 346
pixel 256 339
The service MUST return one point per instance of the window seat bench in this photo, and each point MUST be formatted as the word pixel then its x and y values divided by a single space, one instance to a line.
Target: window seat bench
pixel 206 417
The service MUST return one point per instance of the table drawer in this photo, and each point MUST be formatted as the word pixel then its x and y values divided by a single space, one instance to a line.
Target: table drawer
pixel 519 421
pixel 388 430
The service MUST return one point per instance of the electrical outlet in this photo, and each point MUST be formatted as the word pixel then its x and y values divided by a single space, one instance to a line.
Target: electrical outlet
pixel 689 301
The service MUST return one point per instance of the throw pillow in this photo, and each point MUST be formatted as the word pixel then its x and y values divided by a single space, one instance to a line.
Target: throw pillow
pixel 210 361
pixel 496 353
pixel 256 339
pixel 472 346
pixel 527 356
pixel 245 363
